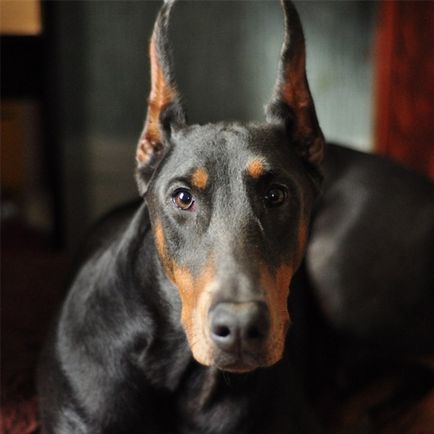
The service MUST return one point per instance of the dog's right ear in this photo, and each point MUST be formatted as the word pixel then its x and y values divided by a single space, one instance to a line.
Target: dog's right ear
pixel 165 113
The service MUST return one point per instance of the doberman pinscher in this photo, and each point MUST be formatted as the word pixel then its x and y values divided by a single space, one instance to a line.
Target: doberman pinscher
pixel 177 320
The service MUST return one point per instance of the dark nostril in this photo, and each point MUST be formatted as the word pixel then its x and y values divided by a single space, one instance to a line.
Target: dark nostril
pixel 235 325
pixel 225 335
pixel 221 331
pixel 254 333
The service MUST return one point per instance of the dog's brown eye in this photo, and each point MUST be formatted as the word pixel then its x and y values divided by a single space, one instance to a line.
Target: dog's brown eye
pixel 275 196
pixel 183 199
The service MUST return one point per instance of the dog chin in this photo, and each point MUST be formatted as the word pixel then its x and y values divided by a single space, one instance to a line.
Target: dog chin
pixel 235 362
pixel 242 363
pixel 237 367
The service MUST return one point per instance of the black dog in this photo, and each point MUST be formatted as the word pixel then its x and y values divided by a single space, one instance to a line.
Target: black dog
pixel 177 320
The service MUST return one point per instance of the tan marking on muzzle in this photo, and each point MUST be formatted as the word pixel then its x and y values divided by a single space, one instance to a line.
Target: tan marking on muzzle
pixel 160 243
pixel 199 179
pixel 302 234
pixel 276 284
pixel 196 297
pixel 276 288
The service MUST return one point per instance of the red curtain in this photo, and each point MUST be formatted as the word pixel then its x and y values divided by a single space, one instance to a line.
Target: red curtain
pixel 404 118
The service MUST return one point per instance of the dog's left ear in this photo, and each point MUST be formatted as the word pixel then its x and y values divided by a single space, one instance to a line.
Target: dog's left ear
pixel 292 102
pixel 165 113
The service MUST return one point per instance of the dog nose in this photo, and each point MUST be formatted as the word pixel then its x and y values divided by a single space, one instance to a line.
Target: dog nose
pixel 235 326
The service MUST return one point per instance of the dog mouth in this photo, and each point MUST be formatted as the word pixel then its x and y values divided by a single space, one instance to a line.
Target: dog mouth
pixel 240 362
pixel 238 359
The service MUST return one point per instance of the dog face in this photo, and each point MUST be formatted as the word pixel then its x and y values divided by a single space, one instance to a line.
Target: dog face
pixel 229 206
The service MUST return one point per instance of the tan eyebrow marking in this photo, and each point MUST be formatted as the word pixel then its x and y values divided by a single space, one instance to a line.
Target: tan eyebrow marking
pixel 199 178
pixel 255 168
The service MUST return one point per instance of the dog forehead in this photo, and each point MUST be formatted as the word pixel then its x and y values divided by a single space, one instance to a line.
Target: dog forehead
pixel 233 144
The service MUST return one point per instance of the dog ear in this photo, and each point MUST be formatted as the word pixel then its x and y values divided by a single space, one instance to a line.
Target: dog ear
pixel 292 101
pixel 165 113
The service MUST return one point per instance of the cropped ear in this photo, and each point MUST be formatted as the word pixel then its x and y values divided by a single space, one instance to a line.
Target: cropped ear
pixel 292 101
pixel 165 113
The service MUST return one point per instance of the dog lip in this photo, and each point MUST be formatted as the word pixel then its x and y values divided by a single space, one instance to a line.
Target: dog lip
pixel 237 368
pixel 239 362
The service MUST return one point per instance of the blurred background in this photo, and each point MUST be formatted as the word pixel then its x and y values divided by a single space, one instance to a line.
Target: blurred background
pixel 74 85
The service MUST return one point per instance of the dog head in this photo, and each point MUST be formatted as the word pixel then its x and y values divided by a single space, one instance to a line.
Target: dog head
pixel 230 206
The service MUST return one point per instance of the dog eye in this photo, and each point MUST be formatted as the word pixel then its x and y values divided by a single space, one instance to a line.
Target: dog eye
pixel 183 199
pixel 275 195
